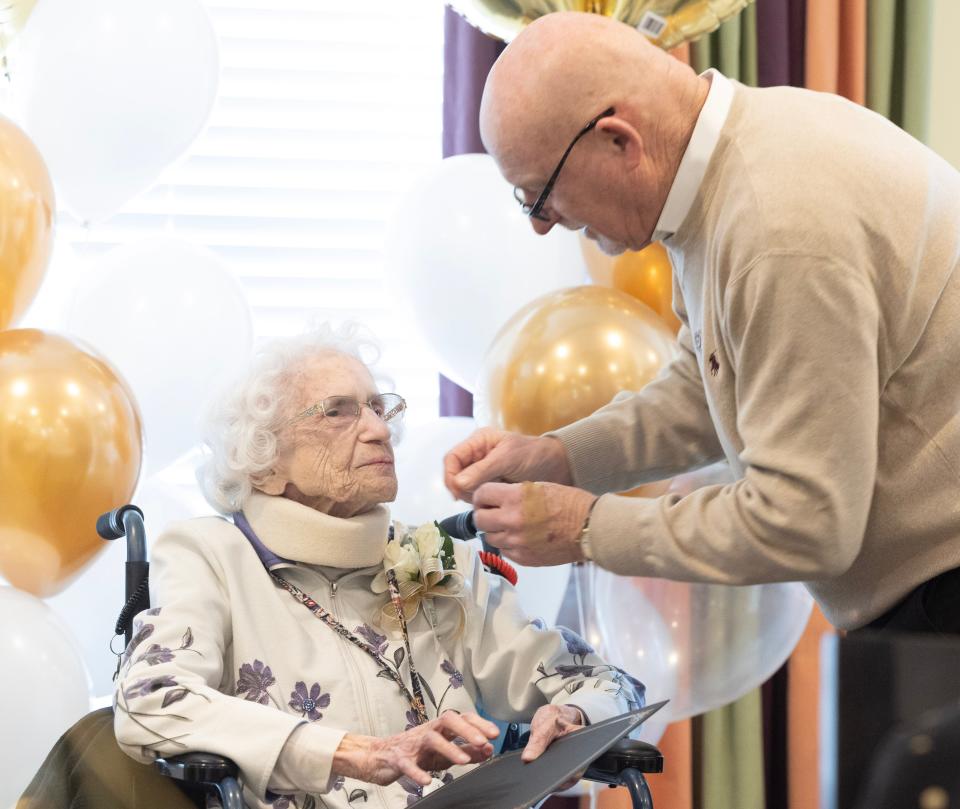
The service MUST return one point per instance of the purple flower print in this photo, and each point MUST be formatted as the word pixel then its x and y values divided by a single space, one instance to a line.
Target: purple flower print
pixel 412 719
pixel 307 704
pixel 253 682
pixel 539 623
pixel 141 632
pixel 412 788
pixel 148 685
pixel 456 678
pixel 576 645
pixel 155 655
pixel 374 639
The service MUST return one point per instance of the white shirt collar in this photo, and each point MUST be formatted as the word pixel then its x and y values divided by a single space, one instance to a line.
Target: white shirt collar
pixel 693 165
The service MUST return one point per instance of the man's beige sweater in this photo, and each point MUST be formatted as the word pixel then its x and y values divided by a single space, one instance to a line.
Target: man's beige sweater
pixel 818 280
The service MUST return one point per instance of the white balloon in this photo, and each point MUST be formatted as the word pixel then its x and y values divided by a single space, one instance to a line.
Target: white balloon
pixel 653 661
pixel 173 320
pixel 112 91
pixel 464 258
pixel 44 687
pixel 421 495
pixel 89 608
pixel 58 287
pixel 724 641
pixel 540 590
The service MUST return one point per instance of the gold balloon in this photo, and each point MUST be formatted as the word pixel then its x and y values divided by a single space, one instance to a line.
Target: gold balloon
pixel 676 21
pixel 70 449
pixel 13 16
pixel 568 353
pixel 645 274
pixel 26 221
pixel 599 264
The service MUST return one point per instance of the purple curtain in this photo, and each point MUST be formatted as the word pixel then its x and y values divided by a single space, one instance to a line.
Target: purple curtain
pixel 467 57
pixel 781 33
pixel 781 26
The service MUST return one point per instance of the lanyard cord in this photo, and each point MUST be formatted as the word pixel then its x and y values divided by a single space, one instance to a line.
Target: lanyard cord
pixel 416 698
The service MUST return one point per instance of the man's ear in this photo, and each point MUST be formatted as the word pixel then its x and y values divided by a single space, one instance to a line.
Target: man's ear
pixel 622 135
pixel 269 483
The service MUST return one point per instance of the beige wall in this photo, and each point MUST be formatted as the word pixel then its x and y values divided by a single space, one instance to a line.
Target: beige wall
pixel 945 82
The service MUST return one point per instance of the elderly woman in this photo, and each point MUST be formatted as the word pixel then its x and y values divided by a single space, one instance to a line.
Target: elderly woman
pixel 335 659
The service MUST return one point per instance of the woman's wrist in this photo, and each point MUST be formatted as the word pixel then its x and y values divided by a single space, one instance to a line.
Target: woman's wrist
pixel 350 757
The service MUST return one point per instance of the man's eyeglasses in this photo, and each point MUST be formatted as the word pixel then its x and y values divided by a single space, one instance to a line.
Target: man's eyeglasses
pixel 533 211
pixel 342 411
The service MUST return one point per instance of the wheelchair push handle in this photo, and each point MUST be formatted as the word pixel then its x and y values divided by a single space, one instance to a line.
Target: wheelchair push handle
pixel 125 521
pixel 111 525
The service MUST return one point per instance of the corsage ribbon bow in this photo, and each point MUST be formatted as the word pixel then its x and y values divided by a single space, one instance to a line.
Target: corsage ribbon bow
pixel 423 562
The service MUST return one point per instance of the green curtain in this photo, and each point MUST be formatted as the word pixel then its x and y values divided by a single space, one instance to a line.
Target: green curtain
pixel 731 49
pixel 732 749
pixel 899 36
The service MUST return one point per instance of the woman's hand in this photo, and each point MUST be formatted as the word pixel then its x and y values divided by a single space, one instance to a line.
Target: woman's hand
pixel 550 722
pixel 452 739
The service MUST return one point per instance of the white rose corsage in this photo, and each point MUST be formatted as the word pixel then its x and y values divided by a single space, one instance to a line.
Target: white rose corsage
pixel 422 560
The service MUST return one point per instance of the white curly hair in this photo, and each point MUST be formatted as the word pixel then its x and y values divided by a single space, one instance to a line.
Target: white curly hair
pixel 241 425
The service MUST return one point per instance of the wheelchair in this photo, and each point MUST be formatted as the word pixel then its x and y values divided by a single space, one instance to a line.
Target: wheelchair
pixel 202 775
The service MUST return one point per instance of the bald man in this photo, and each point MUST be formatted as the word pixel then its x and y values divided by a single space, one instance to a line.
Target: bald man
pixel 816 255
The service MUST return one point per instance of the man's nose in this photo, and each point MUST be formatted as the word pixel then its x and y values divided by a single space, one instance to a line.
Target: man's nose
pixel 543 226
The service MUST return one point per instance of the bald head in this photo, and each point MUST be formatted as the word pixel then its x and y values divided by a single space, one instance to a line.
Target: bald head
pixel 564 69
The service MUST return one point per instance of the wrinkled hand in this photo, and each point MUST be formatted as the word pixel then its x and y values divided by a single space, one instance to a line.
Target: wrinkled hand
pixel 550 722
pixel 533 523
pixel 491 454
pixel 416 751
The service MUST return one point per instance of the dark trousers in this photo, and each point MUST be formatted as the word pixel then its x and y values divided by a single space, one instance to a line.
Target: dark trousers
pixel 87 770
pixel 932 607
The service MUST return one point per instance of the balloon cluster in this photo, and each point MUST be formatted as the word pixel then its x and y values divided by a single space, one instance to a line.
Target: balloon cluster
pixel 668 23
pixel 144 334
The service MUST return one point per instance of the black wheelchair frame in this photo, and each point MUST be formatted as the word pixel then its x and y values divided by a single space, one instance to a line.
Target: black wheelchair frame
pixel 625 764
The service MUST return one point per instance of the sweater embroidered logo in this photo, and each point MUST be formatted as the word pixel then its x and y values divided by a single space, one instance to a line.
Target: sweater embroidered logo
pixel 714 364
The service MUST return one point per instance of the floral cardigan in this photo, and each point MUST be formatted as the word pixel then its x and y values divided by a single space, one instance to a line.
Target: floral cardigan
pixel 229 663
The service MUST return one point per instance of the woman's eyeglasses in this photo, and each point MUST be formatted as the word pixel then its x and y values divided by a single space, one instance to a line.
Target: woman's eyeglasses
pixel 342 411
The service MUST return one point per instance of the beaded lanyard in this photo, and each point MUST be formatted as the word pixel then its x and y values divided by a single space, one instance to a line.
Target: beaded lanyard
pixel 416 698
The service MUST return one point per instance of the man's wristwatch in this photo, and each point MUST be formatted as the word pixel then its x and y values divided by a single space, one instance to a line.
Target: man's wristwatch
pixel 584 540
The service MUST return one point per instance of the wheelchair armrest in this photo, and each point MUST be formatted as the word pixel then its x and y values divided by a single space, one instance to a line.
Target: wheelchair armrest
pixel 199 773
pixel 625 754
pixel 197 768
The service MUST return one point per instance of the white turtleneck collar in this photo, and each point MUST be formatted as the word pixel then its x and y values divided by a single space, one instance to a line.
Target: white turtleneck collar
pixel 299 533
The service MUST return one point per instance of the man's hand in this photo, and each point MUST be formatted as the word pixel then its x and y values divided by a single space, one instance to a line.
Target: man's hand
pixel 534 524
pixel 416 751
pixel 491 454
